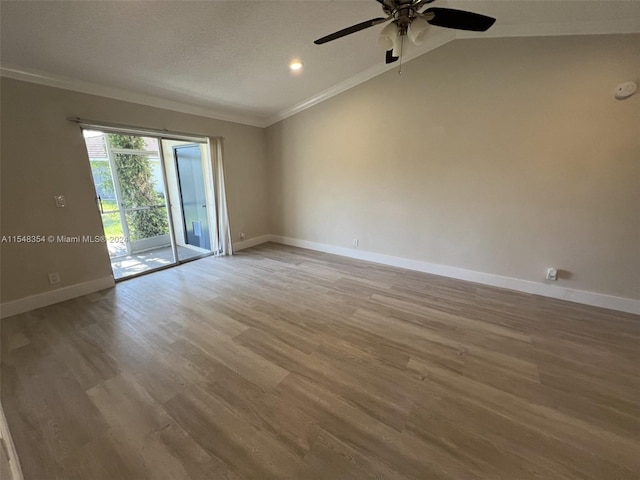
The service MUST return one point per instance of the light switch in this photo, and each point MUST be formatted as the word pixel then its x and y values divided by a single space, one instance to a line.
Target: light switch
pixel 60 201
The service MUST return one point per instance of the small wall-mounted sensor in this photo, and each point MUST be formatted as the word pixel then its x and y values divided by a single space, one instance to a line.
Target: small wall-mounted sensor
pixel 60 201
pixel 625 90
pixel 552 274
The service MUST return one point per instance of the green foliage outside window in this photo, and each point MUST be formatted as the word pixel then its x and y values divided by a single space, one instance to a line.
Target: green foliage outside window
pixel 102 178
pixel 138 189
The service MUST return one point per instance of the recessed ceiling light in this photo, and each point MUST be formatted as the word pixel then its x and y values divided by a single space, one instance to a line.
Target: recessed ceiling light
pixel 295 65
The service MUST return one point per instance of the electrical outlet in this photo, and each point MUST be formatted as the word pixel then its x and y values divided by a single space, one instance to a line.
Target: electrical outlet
pixel 54 277
pixel 552 274
pixel 356 242
pixel 241 235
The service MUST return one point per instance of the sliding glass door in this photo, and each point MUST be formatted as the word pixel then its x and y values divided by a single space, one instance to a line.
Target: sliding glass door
pixel 152 200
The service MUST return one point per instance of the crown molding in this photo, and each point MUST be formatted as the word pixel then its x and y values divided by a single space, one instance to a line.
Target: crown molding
pixel 631 26
pixel 359 78
pixel 50 80
pixel 32 76
pixel 56 81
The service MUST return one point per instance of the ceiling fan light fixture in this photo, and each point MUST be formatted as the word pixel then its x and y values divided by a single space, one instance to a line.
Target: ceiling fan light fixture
pixel 388 36
pixel 418 30
pixel 397 45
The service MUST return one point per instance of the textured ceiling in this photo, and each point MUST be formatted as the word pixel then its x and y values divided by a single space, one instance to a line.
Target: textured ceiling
pixel 232 56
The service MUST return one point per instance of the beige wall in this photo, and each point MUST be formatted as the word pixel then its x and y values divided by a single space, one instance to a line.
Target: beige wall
pixel 43 154
pixel 503 156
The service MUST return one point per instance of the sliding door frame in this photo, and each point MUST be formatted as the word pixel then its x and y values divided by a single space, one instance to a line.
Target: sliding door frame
pixel 172 233
pixel 159 136
pixel 116 187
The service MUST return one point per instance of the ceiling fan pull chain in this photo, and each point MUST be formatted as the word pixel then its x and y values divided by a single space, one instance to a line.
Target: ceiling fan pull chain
pixel 401 50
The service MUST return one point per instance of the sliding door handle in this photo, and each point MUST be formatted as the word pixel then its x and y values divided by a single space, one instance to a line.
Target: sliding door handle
pixel 100 204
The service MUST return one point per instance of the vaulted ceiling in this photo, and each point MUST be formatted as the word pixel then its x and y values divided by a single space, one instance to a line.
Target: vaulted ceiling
pixel 229 59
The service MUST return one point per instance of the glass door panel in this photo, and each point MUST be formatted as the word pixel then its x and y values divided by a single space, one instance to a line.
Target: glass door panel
pixel 142 201
pixel 191 209
pixel 192 196
pixel 106 194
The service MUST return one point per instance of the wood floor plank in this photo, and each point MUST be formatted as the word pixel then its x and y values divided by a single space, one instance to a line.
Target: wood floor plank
pixel 263 410
pixel 405 454
pixel 330 458
pixel 284 325
pixel 241 360
pixel 52 403
pixel 144 430
pixel 554 431
pixel 377 396
pixel 128 410
pixel 226 435
pixel 284 363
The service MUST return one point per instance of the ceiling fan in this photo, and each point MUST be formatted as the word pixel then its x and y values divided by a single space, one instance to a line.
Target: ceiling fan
pixel 407 20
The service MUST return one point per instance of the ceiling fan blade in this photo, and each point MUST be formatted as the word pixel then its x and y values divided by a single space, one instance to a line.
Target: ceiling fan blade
pixel 459 19
pixel 350 30
pixel 390 58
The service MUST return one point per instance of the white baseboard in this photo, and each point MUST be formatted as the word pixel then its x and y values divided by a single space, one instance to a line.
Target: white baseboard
pixel 252 242
pixel 563 293
pixel 40 300
pixel 579 296
pixel 10 448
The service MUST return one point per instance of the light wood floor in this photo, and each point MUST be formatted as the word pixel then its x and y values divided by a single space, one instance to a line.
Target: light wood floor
pixel 285 363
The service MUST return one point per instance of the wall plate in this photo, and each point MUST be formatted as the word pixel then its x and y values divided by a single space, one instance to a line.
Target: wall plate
pixel 625 90
pixel 61 202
